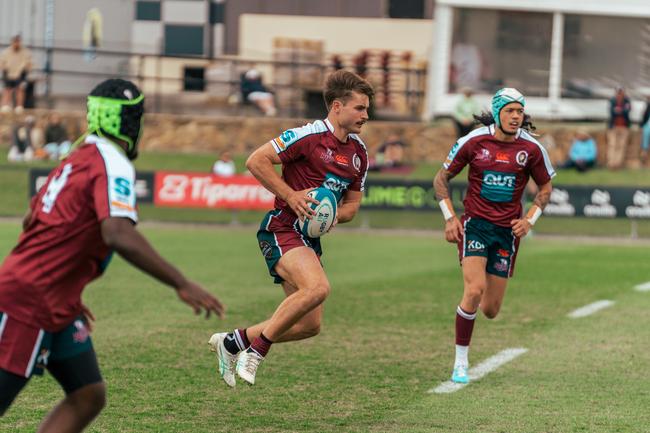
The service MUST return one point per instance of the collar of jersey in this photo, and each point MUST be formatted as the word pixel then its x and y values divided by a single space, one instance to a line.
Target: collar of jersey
pixel 331 128
pixel 95 139
pixel 493 130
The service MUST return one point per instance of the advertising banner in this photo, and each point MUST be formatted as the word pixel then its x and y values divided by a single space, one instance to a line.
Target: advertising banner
pixel 209 191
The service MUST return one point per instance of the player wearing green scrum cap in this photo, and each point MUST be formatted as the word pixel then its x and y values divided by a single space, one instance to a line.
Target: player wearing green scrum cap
pixel 502 156
pixel 84 212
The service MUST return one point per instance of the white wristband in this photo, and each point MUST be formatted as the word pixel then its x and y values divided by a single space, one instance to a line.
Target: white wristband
pixel 533 215
pixel 447 209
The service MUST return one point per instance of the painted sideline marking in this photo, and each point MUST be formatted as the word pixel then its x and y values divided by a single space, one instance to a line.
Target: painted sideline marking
pixel 645 287
pixel 590 309
pixel 485 367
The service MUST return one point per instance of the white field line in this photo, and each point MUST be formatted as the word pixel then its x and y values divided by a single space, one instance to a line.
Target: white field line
pixel 645 287
pixel 485 367
pixel 590 309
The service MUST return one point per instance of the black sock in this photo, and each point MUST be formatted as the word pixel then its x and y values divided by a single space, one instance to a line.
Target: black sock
pixel 230 342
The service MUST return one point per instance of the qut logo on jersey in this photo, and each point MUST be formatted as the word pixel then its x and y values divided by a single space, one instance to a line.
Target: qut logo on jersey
pixel 499 179
pixel 497 186
pixel 336 184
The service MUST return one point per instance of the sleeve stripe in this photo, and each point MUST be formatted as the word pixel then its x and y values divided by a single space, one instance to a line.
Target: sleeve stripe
pixel 547 161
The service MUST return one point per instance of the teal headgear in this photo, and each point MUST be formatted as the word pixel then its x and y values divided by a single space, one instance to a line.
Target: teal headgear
pixel 503 97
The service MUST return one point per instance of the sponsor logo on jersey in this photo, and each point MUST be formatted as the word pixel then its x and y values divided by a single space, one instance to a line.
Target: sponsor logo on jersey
pixel 336 184
pixel 342 160
pixel 497 186
pixel 522 157
pixel 327 156
pixel 288 137
pixel 279 144
pixel 122 192
pixel 474 245
pixel 452 153
pixel 356 162
pixel 484 155
pixel 502 157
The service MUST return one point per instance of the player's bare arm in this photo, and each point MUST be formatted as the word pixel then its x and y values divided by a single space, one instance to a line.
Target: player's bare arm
pixel 349 206
pixel 261 163
pixel 120 235
pixel 521 226
pixel 453 227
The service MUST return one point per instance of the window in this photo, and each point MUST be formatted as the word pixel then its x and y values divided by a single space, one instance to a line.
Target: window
pixel 183 40
pixel 147 11
pixel 623 42
pixel 493 49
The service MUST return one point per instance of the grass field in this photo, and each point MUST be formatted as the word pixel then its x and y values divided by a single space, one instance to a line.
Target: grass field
pixel 387 339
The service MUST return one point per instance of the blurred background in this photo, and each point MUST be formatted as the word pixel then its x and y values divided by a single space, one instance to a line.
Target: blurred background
pixel 583 66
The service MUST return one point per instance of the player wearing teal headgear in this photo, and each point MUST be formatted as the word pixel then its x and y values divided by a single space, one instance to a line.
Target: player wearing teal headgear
pixel 116 109
pixel 503 97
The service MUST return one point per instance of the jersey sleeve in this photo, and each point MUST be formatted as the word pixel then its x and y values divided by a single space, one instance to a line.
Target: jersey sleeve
pixel 360 162
pixel 114 187
pixel 295 143
pixel 458 157
pixel 541 169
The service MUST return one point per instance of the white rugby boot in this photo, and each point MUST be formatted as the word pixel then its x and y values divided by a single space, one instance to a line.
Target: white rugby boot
pixel 226 360
pixel 247 365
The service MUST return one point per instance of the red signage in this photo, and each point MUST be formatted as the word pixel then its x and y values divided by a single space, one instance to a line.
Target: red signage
pixel 209 191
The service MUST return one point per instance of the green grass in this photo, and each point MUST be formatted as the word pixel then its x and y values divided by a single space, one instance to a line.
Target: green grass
pixel 387 338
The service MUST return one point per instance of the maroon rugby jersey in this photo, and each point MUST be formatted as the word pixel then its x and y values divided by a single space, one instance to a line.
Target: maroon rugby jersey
pixel 62 249
pixel 498 172
pixel 312 156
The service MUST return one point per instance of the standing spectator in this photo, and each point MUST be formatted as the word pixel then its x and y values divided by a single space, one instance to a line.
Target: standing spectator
pixel 645 132
pixel 253 90
pixel 583 152
pixel 15 62
pixel 224 166
pixel 619 129
pixel 25 138
pixel 56 138
pixel 464 112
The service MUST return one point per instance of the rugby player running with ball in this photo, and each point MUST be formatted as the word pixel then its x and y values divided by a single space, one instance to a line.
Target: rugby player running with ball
pixel 326 153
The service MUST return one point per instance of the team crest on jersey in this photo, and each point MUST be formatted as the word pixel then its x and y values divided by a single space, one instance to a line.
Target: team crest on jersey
pixel 522 157
pixel 356 162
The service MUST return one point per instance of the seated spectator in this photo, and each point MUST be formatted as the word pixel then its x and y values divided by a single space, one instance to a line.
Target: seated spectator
pixel 24 138
pixel 645 133
pixel 56 138
pixel 255 92
pixel 583 152
pixel 390 154
pixel 15 63
pixel 224 166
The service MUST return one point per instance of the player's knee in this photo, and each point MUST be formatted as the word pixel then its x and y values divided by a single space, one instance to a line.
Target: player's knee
pixel 318 293
pixel 474 292
pixel 490 311
pixel 91 398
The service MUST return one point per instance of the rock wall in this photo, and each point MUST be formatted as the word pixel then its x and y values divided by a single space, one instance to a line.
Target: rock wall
pixel 425 141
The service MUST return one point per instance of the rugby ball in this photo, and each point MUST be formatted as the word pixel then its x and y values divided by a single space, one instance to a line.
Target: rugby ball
pixel 324 213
